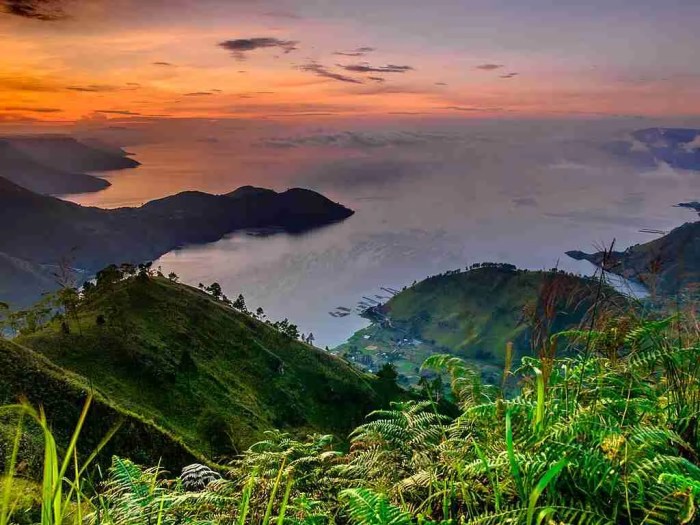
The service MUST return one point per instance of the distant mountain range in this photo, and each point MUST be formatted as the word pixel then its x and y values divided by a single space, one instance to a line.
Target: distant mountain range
pixel 56 164
pixel 44 231
pixel 677 147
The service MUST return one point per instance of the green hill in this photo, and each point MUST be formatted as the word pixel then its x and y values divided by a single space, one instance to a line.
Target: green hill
pixel 24 374
pixel 200 370
pixel 471 314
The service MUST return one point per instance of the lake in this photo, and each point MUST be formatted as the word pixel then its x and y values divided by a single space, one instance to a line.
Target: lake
pixel 428 197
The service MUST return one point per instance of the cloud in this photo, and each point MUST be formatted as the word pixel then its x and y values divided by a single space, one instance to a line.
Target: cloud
pixel 29 84
pixel 510 75
pixel 44 10
pixel 474 108
pixel 198 94
pixel 243 45
pixel 31 109
pixel 14 118
pixel 377 79
pixel 440 83
pixel 283 14
pixel 525 202
pixel 321 71
pixel 358 139
pixel 164 64
pixel 359 52
pixel 489 67
pixel 366 68
pixel 94 88
pixel 117 112
pixel 353 174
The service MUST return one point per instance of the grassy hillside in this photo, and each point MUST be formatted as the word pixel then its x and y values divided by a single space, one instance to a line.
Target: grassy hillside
pixel 472 314
pixel 608 436
pixel 26 375
pixel 199 369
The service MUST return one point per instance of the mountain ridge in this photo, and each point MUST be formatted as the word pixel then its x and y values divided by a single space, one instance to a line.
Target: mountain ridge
pixel 58 164
pixel 50 231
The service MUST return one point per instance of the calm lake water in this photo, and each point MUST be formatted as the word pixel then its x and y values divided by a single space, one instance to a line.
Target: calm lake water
pixel 428 198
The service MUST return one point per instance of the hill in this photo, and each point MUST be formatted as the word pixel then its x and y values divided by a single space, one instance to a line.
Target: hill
pixel 24 374
pixel 20 279
pixel 472 314
pixel 201 370
pixel 668 265
pixel 47 231
pixel 69 154
pixel 20 168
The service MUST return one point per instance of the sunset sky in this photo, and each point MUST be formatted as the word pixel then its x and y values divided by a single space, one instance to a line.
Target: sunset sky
pixel 135 59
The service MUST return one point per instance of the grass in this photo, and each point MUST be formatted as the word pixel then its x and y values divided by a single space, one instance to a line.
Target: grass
pixel 609 437
pixel 216 378
pixel 473 314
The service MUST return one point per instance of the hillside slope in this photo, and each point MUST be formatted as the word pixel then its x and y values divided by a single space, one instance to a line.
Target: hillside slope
pixel 203 371
pixel 667 265
pixel 472 314
pixel 25 374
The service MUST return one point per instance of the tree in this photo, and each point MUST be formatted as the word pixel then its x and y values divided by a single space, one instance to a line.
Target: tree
pixel 4 310
pixel 108 276
pixel 69 299
pixel 145 270
pixel 260 313
pixel 172 276
pixel 239 303
pixel 215 290
pixel 387 384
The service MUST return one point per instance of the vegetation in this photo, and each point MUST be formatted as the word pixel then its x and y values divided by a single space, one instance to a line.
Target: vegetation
pixel 607 436
pixel 474 314
pixel 190 363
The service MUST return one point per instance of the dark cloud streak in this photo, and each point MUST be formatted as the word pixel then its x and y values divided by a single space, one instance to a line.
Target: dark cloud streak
pixel 359 52
pixel 44 10
pixel 321 71
pixel 366 68
pixel 239 47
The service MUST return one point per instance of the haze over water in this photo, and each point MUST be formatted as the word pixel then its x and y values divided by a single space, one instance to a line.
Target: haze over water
pixel 429 196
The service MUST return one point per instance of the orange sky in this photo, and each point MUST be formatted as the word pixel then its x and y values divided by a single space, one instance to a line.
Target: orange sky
pixel 121 60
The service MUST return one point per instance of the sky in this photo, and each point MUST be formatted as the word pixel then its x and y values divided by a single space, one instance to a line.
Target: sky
pixel 131 60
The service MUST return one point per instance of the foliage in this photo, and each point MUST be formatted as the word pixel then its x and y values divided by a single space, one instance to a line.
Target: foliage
pixel 608 438
pixel 608 433
pixel 476 314
pixel 213 376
